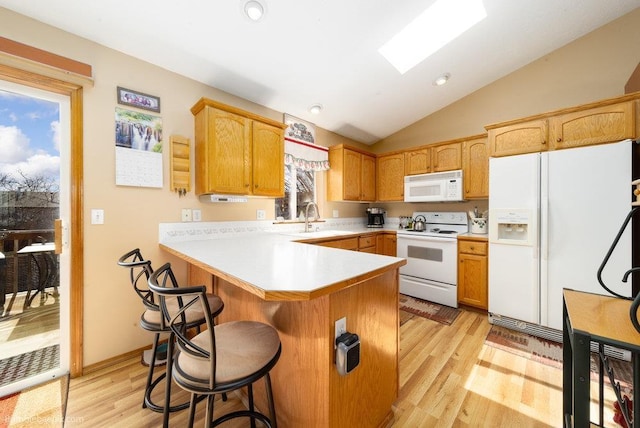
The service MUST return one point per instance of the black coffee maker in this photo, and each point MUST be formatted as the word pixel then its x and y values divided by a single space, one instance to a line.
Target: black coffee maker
pixel 375 217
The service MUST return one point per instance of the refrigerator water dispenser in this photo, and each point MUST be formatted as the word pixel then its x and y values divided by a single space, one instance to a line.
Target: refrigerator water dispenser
pixel 515 227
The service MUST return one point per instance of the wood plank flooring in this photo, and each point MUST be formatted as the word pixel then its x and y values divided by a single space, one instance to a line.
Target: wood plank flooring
pixel 448 378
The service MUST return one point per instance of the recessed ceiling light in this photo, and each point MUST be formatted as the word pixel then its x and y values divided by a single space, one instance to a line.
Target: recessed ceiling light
pixel 315 109
pixel 254 10
pixel 442 79
pixel 441 23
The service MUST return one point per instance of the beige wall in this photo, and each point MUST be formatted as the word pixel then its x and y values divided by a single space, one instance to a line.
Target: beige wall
pixel 592 68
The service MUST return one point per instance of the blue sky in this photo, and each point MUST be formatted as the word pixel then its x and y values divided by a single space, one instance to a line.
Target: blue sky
pixel 29 135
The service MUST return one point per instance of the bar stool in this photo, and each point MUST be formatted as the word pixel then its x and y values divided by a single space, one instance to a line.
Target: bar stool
pixel 151 320
pixel 221 359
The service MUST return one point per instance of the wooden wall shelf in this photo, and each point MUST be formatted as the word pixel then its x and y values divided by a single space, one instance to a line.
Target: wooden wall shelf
pixel 180 164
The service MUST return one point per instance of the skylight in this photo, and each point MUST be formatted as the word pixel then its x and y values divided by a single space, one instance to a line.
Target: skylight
pixel 441 23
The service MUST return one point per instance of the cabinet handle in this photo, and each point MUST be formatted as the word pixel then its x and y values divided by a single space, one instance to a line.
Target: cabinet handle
pixel 558 140
pixel 472 248
pixel 544 142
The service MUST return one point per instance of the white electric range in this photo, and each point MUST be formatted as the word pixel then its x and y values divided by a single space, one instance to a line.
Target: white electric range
pixel 431 272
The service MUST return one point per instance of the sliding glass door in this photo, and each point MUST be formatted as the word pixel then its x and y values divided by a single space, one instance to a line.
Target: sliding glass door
pixel 34 212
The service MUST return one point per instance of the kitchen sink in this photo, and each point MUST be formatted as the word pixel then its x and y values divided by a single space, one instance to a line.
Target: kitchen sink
pixel 322 234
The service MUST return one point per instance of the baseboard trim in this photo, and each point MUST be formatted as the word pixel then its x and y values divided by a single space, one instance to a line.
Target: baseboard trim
pixel 115 360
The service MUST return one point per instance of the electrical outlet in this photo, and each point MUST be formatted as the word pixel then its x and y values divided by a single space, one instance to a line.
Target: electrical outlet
pixel 336 214
pixel 186 214
pixel 341 327
pixel 261 214
pixel 196 215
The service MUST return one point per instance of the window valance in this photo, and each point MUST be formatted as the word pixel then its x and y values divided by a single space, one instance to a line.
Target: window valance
pixel 306 156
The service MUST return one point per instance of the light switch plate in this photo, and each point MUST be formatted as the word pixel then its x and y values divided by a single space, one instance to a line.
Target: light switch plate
pixel 97 216
pixel 261 214
pixel 196 215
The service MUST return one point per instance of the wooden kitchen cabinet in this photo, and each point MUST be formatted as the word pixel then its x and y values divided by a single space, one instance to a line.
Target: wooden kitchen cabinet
pixel 473 272
pixel 343 243
pixel 446 157
pixel 475 167
pixel 596 125
pixel 367 244
pixel 352 176
pixel 390 177
pixel 386 244
pixel 237 152
pixel 514 139
pixel 417 161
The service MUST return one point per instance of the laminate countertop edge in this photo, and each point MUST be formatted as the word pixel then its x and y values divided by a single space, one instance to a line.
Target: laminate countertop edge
pixel 275 267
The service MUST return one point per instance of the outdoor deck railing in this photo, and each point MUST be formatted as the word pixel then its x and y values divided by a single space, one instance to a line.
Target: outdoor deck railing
pixel 17 272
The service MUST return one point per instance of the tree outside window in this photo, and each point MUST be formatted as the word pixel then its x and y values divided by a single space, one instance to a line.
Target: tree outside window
pixel 299 190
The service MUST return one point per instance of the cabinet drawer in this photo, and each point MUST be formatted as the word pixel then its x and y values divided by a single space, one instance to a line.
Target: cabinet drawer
pixel 345 244
pixel 473 247
pixel 366 241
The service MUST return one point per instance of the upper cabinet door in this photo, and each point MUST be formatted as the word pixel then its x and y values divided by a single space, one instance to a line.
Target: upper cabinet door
pixel 390 177
pixel 417 161
pixel 226 153
pixel 368 178
pixel 267 160
pixel 598 125
pixel 352 172
pixel 475 166
pixel 446 157
pixel 524 137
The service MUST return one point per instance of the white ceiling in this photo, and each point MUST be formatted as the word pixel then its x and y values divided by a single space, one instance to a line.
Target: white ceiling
pixel 326 51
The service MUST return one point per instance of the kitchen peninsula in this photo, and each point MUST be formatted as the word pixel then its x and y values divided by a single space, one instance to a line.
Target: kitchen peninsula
pixel 302 289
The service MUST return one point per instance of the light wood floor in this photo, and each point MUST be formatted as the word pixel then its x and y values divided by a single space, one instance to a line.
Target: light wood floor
pixel 448 378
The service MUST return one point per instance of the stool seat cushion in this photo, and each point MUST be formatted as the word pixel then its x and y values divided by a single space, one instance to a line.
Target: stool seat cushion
pixel 152 317
pixel 243 348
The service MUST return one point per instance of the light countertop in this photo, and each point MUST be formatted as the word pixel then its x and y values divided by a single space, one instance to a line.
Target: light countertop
pixel 474 236
pixel 276 267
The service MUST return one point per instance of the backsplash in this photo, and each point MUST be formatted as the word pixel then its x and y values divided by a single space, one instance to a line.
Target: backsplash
pixel 189 231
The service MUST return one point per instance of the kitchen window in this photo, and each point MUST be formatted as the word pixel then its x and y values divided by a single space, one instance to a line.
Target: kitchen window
pixel 301 161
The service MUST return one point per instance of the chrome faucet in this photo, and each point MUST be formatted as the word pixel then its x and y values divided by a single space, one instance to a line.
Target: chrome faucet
pixel 307 226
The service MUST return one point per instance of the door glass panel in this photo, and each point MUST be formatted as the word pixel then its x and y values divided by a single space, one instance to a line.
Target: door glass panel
pixel 30 147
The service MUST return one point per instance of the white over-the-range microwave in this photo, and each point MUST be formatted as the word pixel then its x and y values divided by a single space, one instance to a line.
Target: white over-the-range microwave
pixel 435 187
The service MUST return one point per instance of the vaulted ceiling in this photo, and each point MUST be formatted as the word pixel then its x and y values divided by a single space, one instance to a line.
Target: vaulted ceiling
pixel 306 52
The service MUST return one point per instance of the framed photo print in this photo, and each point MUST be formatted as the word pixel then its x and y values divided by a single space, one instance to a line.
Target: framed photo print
pixel 138 99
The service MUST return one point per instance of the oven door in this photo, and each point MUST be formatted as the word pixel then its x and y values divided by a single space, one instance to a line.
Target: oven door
pixel 430 258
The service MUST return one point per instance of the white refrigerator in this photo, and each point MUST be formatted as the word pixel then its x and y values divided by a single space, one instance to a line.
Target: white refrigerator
pixel 553 216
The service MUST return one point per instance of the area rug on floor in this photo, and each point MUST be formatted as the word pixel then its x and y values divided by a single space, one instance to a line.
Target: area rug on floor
pixel 549 352
pixel 43 404
pixel 541 350
pixel 433 311
pixel 29 364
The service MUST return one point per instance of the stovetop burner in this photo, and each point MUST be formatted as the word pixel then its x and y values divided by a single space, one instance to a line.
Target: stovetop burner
pixel 440 224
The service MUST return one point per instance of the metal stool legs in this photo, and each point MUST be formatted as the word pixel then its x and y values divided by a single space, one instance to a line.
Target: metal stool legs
pixel 166 408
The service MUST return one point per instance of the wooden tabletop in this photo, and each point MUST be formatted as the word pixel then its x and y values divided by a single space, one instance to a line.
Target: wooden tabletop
pixel 38 248
pixel 604 317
